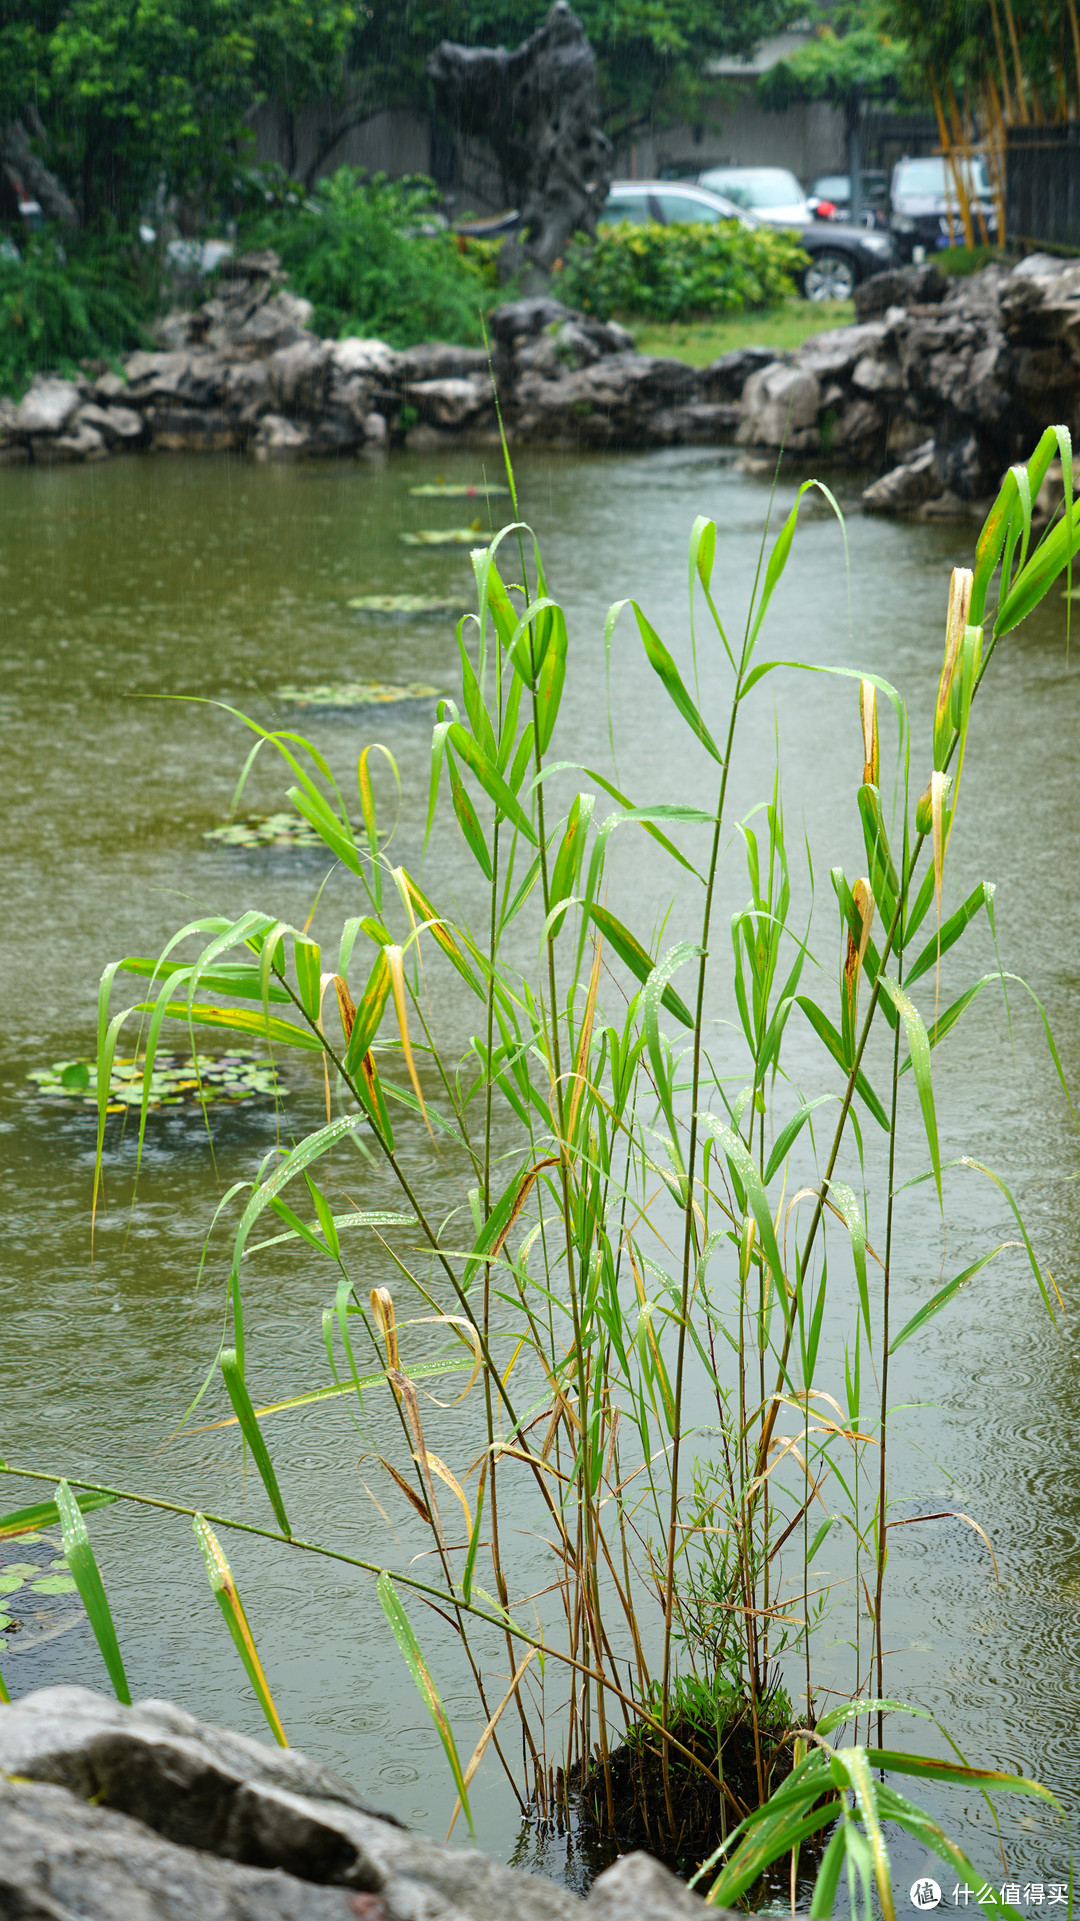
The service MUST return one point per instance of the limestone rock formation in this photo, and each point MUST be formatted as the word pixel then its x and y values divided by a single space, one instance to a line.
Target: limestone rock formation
pixel 539 108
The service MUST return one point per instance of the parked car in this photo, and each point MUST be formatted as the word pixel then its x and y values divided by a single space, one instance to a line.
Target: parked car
pixel 924 209
pixel 840 256
pixel 830 198
pixel 771 194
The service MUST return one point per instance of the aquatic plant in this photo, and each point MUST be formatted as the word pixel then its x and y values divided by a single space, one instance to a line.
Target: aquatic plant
pixel 649 1211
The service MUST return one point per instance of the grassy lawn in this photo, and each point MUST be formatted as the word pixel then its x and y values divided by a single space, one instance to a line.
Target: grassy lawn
pixel 780 327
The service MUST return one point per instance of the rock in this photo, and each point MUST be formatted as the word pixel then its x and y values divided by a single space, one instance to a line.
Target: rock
pixel 278 322
pixel 81 443
pixel 247 392
pixel 450 403
pixel 435 360
pixel 299 376
pixel 63 1861
pixel 610 404
pixel 524 319
pixel 637 1887
pixel 280 439
pixel 110 387
pixel 964 467
pixel 858 432
pixel 14 453
pixel 725 378
pixel 780 408
pixel 426 439
pixel 704 423
pixel 47 407
pixel 375 426
pixel 118 425
pixel 357 356
pixel 921 286
pixel 258 264
pixel 832 355
pixel 906 487
pixel 205 1792
pixel 878 374
pixel 186 430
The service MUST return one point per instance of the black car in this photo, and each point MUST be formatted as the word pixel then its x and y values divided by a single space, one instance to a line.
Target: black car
pixel 925 210
pixel 840 255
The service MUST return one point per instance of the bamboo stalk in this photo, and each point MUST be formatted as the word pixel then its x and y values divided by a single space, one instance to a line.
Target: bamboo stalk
pixel 1025 117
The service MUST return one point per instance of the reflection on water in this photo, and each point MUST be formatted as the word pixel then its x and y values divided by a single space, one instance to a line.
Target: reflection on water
pixel 128 587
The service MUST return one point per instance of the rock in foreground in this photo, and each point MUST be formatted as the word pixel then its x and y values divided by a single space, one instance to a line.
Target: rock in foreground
pixel 110 1813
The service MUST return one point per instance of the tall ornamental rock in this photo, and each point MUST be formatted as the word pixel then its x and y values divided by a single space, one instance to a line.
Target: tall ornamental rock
pixel 539 109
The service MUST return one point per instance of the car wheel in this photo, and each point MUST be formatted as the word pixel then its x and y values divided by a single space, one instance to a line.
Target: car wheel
pixel 830 276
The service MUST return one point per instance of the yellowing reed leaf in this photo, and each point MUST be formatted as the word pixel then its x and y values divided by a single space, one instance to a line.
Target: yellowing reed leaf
pixel 868 714
pixel 956 620
pixel 228 1600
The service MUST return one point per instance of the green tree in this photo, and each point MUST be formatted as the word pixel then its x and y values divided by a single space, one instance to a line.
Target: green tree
pixel 864 63
pixel 111 97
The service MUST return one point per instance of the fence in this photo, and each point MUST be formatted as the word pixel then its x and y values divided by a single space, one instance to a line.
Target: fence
pixel 1042 185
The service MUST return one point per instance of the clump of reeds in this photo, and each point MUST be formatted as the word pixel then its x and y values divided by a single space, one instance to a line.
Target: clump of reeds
pixel 590 1109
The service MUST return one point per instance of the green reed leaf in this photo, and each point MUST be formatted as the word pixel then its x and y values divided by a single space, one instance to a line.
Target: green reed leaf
pixel 637 959
pixel 790 1132
pixel 239 1020
pixel 406 1639
pixel 30 1520
pixel 826 1032
pixel 79 1556
pixel 945 1295
pixel 490 779
pixel 245 1414
pixel 745 1171
pixel 919 1051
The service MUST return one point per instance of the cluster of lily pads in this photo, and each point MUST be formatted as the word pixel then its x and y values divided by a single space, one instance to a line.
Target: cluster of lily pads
pixel 177 1080
pixel 352 693
pixel 265 830
pixel 400 605
pixel 30 1579
pixel 473 536
pixel 455 490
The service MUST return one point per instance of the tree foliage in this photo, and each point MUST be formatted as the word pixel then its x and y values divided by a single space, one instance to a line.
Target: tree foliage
pixel 134 92
pixel 841 68
pixel 652 54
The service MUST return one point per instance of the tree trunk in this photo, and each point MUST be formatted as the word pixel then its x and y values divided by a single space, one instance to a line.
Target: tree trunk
pixel 30 174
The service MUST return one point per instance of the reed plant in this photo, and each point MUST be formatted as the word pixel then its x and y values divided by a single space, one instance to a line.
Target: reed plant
pixel 653 1218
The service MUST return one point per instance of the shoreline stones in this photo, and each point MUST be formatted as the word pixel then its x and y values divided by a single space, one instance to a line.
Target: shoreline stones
pixel 143 1813
pixel 939 385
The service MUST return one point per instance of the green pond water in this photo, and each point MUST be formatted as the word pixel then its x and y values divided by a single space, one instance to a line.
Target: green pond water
pixel 127 586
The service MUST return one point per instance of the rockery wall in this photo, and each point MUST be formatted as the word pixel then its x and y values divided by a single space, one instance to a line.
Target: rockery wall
pixel 938 386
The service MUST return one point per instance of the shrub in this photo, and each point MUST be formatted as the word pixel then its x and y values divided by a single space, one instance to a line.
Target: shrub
pixel 677 273
pixel 368 254
pixel 61 305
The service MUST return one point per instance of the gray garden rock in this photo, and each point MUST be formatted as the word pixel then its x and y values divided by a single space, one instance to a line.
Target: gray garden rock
pixel 638 1886
pixel 48 407
pixel 280 439
pixel 117 424
pixel 906 487
pixel 780 408
pixel 450 403
pixel 921 286
pixel 63 1861
pixel 82 442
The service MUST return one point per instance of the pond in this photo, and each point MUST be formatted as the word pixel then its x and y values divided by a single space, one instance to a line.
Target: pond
pixel 138 596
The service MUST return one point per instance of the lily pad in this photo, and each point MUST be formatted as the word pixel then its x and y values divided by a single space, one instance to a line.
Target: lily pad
pixel 54 1584
pixel 401 604
pixel 177 1080
pixel 449 537
pixel 357 693
pixel 266 830
pixel 454 490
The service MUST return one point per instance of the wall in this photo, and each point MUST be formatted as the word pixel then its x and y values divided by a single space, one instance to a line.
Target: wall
pixel 333 133
pixel 808 138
